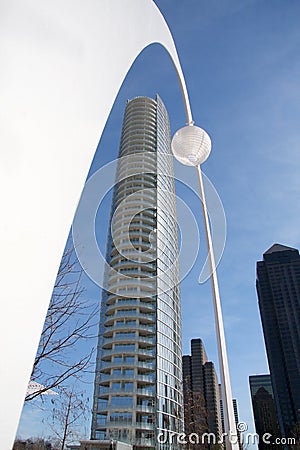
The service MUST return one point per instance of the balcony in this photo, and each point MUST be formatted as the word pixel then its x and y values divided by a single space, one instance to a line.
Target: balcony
pixel 105 391
pixel 134 287
pixel 129 244
pixel 127 424
pixel 146 340
pixel 145 352
pixel 137 203
pixel 119 424
pixel 143 442
pixel 121 377
pixel 145 426
pixel 142 179
pixel 124 377
pixel 139 364
pixel 122 227
pixel 120 351
pixel 137 259
pixel 134 303
pixel 130 314
pixel 134 232
pixel 126 327
pixel 145 408
pixel 145 392
pixel 133 272
pixel 140 194
pixel 147 179
pixel 119 340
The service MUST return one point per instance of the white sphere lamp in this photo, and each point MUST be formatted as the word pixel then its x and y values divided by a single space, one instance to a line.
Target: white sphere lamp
pixel 191 145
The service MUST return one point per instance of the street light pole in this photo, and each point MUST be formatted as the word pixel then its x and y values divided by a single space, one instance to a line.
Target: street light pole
pixel 191 146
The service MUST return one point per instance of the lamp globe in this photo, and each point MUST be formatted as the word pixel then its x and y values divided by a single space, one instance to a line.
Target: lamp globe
pixel 191 145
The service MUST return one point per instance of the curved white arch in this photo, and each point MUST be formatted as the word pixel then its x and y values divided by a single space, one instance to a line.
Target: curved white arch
pixel 63 62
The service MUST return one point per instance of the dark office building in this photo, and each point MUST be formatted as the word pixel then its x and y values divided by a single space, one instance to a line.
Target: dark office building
pixel 201 392
pixel 264 410
pixel 278 288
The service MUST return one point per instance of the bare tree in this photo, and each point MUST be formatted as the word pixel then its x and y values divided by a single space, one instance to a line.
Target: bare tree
pixel 69 323
pixel 69 409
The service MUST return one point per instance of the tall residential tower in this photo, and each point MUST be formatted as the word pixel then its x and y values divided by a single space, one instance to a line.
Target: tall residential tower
pixel 138 381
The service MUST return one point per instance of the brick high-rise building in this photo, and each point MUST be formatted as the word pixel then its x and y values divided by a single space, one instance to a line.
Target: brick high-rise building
pixel 201 393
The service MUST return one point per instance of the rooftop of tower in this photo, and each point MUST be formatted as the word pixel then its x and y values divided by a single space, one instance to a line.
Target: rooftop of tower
pixel 275 248
pixel 141 97
pixel 280 252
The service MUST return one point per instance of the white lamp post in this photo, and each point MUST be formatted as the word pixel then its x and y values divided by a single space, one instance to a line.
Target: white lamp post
pixel 191 146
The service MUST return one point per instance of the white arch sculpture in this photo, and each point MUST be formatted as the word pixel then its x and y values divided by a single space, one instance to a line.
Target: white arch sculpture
pixel 63 62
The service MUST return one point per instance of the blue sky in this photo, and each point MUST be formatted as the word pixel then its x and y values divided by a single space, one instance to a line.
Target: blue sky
pixel 242 67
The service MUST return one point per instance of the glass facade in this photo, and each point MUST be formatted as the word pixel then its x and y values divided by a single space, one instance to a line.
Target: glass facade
pixel 278 289
pixel 138 381
pixel 264 409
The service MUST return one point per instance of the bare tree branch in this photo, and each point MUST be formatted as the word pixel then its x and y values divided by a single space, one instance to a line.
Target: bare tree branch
pixel 68 409
pixel 70 321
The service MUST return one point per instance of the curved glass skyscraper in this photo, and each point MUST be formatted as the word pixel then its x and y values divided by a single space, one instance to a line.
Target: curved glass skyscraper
pixel 138 382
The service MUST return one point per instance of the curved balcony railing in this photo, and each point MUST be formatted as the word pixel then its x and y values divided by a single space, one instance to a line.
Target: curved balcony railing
pixel 131 254
pixel 124 304
pixel 119 225
pixel 147 177
pixel 138 139
pixel 121 424
pixel 142 214
pixel 131 186
pixel 144 442
pixel 145 408
pixel 133 232
pixel 145 352
pixel 145 392
pixel 107 342
pixel 139 364
pixel 128 340
pixel 124 326
pixel 140 194
pixel 141 168
pixel 149 318
pixel 136 203
pixel 141 282
pixel 122 377
pixel 132 274
pixel 145 426
pixel 139 351
pixel 105 391
pixel 127 253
